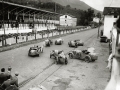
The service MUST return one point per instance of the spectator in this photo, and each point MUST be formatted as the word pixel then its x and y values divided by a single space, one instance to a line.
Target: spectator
pixel 6 83
pixel 2 76
pixel 14 80
pixel 8 73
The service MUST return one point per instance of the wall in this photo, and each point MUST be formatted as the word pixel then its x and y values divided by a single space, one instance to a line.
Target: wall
pixel 108 24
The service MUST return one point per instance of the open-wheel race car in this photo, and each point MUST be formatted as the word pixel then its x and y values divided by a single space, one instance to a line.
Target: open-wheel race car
pixel 48 42
pixel 59 56
pixel 59 41
pixel 72 44
pixel 35 51
pixel 83 55
pixel 79 42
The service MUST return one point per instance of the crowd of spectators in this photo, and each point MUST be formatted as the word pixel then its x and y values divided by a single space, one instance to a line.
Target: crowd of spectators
pixel 7 80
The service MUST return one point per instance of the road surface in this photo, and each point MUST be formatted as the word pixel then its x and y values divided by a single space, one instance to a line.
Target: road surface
pixel 77 75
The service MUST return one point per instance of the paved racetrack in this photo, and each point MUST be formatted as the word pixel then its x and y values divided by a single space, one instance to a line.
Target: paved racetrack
pixel 86 73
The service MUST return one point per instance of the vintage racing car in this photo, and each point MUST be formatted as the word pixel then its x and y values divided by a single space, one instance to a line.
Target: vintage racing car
pixel 83 55
pixel 59 56
pixel 59 41
pixel 79 42
pixel 35 51
pixel 103 39
pixel 48 42
pixel 72 44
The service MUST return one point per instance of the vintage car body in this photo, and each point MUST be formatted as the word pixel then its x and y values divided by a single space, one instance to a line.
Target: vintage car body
pixel 83 55
pixel 48 42
pixel 72 44
pixel 35 51
pixel 59 56
pixel 103 39
pixel 79 42
pixel 59 41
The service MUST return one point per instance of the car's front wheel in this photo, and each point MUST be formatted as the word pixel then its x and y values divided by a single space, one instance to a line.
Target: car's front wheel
pixel 55 42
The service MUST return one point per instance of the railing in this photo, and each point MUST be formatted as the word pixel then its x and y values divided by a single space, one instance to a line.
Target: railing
pixel 39 33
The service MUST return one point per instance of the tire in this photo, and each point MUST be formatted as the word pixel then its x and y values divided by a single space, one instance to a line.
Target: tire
pixel 57 61
pixel 55 43
pixel 87 58
pixel 106 40
pixel 66 61
pixel 50 56
pixel 82 44
pixel 69 45
pixel 42 51
pixel 71 56
pixel 76 46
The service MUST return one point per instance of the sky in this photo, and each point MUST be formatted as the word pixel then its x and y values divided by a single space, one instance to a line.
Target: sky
pixel 100 4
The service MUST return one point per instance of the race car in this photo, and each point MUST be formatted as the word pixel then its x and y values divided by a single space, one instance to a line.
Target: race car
pixel 83 55
pixel 103 39
pixel 59 56
pixel 48 42
pixel 79 42
pixel 59 41
pixel 35 51
pixel 72 44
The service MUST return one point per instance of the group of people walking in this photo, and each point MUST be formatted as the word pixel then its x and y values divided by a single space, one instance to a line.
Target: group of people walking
pixel 7 80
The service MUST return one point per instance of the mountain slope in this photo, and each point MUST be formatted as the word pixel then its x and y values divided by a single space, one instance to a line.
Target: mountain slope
pixel 75 4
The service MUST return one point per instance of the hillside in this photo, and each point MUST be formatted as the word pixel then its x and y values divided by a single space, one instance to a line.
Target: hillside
pixel 75 4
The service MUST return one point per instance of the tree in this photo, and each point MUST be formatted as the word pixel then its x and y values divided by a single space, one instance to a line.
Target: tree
pixel 68 6
pixel 98 15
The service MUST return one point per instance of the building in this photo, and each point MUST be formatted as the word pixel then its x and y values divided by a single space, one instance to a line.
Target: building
pixel 68 20
pixel 110 16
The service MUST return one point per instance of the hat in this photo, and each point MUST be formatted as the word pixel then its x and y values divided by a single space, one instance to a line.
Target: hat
pixel 16 73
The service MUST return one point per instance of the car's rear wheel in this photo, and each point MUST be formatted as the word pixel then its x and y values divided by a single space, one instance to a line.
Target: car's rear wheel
pixel 87 58
pixel 71 55
pixel 75 46
pixel 66 61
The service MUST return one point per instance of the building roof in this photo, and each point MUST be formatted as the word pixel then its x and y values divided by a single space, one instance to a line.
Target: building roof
pixel 111 11
pixel 69 15
pixel 13 7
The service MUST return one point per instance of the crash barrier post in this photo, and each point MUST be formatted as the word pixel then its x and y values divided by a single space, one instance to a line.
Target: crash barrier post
pixel 114 62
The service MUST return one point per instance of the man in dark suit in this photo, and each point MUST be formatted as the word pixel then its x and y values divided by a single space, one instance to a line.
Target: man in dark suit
pixel 2 76
pixel 6 83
